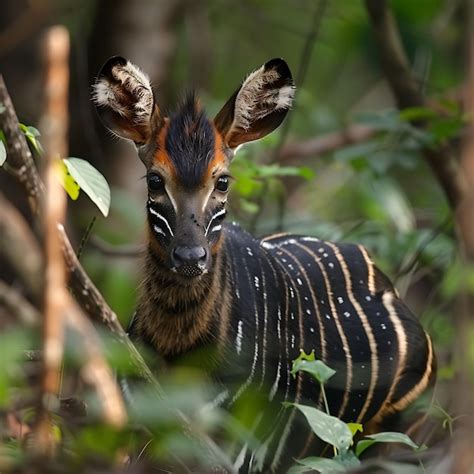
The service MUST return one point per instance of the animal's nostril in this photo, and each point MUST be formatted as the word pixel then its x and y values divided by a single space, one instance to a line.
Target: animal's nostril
pixel 189 255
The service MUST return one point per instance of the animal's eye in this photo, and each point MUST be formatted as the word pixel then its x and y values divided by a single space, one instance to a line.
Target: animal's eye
pixel 155 182
pixel 222 184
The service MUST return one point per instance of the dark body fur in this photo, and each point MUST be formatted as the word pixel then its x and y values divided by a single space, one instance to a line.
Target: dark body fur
pixel 266 299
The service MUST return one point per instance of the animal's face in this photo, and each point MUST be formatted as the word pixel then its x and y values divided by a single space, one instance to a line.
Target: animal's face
pixel 188 181
pixel 187 155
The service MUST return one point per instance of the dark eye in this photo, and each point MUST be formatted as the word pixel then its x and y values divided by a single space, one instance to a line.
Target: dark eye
pixel 222 184
pixel 155 182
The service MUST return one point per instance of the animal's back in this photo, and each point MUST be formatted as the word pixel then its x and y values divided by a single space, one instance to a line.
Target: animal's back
pixel 296 292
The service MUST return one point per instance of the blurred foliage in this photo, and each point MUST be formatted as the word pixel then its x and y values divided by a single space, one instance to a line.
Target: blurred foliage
pixel 379 193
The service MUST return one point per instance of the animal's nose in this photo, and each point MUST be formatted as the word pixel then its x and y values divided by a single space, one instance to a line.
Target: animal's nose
pixel 189 256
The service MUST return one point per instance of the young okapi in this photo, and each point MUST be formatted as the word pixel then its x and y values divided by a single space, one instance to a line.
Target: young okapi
pixel 258 301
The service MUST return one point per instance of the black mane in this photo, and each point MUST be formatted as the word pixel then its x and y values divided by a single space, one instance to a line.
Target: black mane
pixel 190 141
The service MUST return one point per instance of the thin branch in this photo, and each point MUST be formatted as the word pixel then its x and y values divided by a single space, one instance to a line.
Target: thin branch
pixel 328 143
pixel 85 292
pixel 95 371
pixel 109 250
pixel 54 130
pixel 20 161
pixel 23 169
pixel 85 237
pixel 408 93
pixel 463 458
pixel 16 241
pixel 465 214
pixel 305 59
pixel 15 303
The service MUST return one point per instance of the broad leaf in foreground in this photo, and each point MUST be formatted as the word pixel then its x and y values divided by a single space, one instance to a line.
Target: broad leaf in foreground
pixel 386 437
pixel 328 428
pixel 91 182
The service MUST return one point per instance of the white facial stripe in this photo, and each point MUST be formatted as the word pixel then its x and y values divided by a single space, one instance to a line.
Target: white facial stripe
pixel 216 228
pixel 175 206
pixel 158 230
pixel 215 216
pixel 157 214
pixel 206 200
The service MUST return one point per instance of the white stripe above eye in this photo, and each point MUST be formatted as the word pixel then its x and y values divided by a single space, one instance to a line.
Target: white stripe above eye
pixel 157 214
pixel 215 216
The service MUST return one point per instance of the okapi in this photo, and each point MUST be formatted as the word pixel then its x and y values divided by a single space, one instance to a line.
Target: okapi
pixel 257 302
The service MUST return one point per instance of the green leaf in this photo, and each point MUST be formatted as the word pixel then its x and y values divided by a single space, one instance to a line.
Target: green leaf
pixel 3 153
pixel 348 459
pixel 417 113
pixel 317 368
pixel 91 182
pixel 67 181
pixel 321 465
pixel 32 133
pixel 270 171
pixel 329 428
pixel 355 427
pixel 304 356
pixel 386 437
pixel 360 150
pixel 249 206
pixel 446 128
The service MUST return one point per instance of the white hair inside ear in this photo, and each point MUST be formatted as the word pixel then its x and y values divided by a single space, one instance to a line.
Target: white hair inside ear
pixel 130 79
pixel 259 96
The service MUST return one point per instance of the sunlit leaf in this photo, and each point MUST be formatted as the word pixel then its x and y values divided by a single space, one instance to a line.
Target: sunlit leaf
pixel 386 437
pixel 322 465
pixel 32 134
pixel 355 427
pixel 249 206
pixel 67 181
pixel 446 128
pixel 328 428
pixel 317 368
pixel 417 113
pixel 3 153
pixel 91 182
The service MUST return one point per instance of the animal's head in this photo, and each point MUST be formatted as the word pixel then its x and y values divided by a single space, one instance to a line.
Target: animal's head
pixel 187 155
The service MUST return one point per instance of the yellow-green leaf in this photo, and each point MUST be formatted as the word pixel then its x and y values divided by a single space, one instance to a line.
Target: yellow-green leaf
pixel 355 427
pixel 67 181
pixel 91 182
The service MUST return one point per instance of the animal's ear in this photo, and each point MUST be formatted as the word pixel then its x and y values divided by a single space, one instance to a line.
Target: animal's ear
pixel 124 100
pixel 259 106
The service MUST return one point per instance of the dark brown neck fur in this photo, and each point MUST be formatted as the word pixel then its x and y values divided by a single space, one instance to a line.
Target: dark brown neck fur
pixel 175 315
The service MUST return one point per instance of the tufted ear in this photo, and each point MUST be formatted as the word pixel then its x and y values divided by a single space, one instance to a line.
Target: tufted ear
pixel 124 100
pixel 259 106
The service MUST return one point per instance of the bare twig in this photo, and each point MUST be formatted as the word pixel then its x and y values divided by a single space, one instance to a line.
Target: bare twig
pixel 54 130
pixel 95 371
pixel 304 62
pixel 109 250
pixel 22 167
pixel 465 214
pixel 17 305
pixel 16 241
pixel 85 237
pixel 23 26
pixel 407 93
pixel 20 162
pixel 85 292
pixel 305 59
pixel 463 453
pixel 325 143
